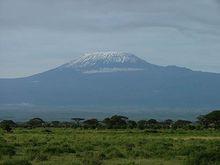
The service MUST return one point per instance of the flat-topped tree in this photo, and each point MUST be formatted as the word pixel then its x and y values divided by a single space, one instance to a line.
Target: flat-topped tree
pixel 36 122
pixel 77 120
pixel 116 121
pixel 91 123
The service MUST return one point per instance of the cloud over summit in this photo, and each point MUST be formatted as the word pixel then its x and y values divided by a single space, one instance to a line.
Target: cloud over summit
pixel 183 32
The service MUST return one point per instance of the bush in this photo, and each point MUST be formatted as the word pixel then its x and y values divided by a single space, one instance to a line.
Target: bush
pixel 16 162
pixel 115 153
pixel 7 150
pixel 53 149
pixel 191 149
pixel 47 131
pixel 141 124
pixel 91 123
pixel 92 161
pixel 141 153
pixel 41 157
pixel 204 158
pixel 7 125
pixel 129 146
pixel 35 122
pixel 131 124
pixel 211 119
pixel 92 158
pixel 36 154
pixel 116 122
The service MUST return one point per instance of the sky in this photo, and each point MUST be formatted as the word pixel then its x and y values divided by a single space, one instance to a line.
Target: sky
pixel 38 35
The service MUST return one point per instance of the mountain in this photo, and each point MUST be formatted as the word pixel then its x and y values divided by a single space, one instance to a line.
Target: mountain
pixel 114 79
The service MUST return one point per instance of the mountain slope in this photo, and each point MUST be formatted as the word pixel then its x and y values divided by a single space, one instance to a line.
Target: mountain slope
pixel 114 79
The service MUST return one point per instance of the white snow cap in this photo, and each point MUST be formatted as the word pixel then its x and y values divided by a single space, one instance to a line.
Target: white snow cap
pixel 111 61
pixel 110 57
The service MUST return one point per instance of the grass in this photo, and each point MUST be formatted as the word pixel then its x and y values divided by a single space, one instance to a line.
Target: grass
pixel 131 147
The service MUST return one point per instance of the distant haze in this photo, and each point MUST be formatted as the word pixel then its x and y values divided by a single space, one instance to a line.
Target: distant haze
pixel 37 35
pixel 102 83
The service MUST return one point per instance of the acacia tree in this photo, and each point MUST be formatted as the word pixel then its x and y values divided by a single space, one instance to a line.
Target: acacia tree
pixel 55 123
pixel 91 123
pixel 116 121
pixel 181 124
pixel 167 123
pixel 141 124
pixel 7 125
pixel 211 119
pixel 77 121
pixel 131 124
pixel 152 123
pixel 36 122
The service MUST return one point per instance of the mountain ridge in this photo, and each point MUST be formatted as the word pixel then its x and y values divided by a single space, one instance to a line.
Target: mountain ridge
pixel 76 64
pixel 147 85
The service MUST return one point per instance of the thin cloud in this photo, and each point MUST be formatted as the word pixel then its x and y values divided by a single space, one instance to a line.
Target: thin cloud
pixel 160 31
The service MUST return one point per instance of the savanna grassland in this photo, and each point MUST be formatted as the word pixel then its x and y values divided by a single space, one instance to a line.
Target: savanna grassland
pixel 66 146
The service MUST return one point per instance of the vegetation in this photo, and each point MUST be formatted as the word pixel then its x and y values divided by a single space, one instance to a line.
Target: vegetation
pixel 115 140
pixel 7 125
pixel 210 120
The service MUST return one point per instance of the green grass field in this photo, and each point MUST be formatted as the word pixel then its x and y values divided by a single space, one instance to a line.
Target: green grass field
pixel 57 146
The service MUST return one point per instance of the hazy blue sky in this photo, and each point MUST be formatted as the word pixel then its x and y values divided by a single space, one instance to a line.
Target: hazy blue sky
pixel 36 35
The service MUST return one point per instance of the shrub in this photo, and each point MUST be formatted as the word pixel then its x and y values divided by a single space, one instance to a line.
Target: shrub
pixel 7 150
pixel 140 153
pixel 131 124
pixel 35 122
pixel 47 131
pixel 7 125
pixel 59 149
pixel 16 162
pixel 116 122
pixel 142 124
pixel 211 119
pixel 91 123
pixel 55 124
pixel 191 149
pixel 129 146
pixel 204 158
pixel 115 153
pixel 35 153
pixel 92 158
pixel 41 157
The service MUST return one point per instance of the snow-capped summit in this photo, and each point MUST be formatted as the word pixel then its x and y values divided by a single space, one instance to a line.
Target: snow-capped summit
pixel 107 62
pixel 112 79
